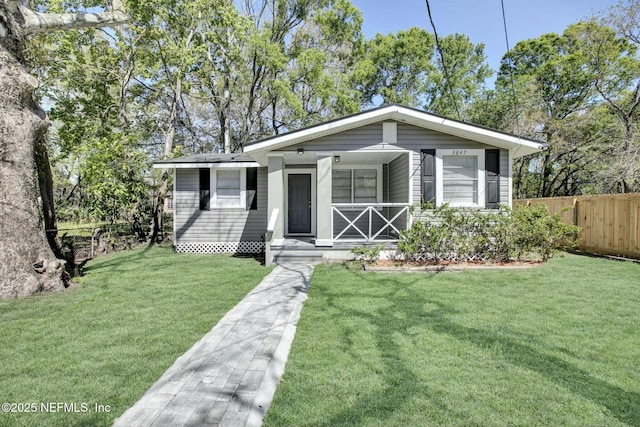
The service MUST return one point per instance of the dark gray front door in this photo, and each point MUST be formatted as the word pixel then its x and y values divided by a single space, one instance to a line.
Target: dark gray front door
pixel 299 203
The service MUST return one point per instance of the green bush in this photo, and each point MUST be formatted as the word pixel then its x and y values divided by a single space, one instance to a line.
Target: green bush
pixel 368 254
pixel 465 235
pixel 536 231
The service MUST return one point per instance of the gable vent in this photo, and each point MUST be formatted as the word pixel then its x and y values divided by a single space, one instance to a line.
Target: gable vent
pixel 390 132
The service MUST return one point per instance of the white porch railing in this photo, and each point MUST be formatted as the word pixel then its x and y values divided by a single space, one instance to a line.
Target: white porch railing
pixel 368 222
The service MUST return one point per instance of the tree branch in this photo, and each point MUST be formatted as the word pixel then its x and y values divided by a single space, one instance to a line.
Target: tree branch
pixel 37 22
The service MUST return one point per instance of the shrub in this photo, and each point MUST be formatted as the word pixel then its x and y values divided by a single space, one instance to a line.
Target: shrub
pixel 464 235
pixel 368 254
pixel 535 230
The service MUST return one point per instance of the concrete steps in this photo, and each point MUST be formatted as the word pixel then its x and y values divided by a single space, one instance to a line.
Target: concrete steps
pixel 296 256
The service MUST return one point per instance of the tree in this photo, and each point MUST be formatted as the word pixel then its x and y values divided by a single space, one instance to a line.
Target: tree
pixel 27 263
pixel 404 68
pixel 614 45
pixel 397 68
pixel 553 87
pixel 568 90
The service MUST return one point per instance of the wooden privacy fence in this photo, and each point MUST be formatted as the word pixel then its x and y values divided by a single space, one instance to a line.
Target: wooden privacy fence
pixel 608 223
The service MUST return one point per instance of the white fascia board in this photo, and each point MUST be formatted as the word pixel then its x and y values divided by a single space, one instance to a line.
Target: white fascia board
pixel 206 165
pixel 519 146
pixel 318 131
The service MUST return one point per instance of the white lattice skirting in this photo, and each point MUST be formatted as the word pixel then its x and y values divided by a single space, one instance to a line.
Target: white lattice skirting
pixel 220 248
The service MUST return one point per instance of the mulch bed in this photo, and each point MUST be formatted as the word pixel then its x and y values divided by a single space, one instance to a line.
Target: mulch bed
pixel 400 266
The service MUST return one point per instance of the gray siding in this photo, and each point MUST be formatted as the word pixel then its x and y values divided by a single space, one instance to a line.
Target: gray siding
pixel 411 138
pixel 398 179
pixel 216 225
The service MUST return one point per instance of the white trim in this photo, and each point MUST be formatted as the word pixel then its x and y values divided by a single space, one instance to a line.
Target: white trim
pixel 509 177
pixel 324 242
pixel 175 205
pixel 216 204
pixel 411 177
pixel 479 154
pixel 402 114
pixel 206 165
pixel 352 166
pixel 294 171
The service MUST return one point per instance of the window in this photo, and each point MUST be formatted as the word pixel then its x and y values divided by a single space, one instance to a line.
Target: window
pixel 341 186
pixel 229 188
pixel 350 185
pixel 365 189
pixel 460 177
pixel 460 180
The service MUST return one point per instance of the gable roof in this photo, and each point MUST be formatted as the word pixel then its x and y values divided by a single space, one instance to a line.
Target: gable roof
pixel 519 145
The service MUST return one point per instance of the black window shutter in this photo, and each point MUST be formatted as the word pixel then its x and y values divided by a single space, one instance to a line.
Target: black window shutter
pixel 428 175
pixel 492 166
pixel 252 188
pixel 205 189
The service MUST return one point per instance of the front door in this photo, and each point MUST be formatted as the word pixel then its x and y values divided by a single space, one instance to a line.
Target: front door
pixel 299 210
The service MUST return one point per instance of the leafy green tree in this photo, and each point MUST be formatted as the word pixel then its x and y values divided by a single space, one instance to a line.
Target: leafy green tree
pixel 546 90
pixel 397 68
pixel 404 68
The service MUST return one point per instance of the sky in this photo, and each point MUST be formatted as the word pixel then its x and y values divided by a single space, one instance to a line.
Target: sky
pixel 480 20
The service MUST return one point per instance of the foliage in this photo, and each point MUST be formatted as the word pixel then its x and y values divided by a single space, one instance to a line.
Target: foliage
pixel 534 230
pixel 403 68
pixel 551 345
pixel 463 235
pixel 368 254
pixel 109 341
pixel 577 91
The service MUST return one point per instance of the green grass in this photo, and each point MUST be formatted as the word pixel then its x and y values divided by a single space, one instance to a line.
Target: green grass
pixel 83 229
pixel 554 345
pixel 108 341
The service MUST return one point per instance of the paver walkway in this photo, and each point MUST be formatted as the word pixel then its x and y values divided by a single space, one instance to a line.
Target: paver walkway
pixel 228 378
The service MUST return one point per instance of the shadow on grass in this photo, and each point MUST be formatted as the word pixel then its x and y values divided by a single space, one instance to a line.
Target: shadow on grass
pixel 407 309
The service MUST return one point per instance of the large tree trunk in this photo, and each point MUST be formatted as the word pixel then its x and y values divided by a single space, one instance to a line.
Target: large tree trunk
pixel 27 264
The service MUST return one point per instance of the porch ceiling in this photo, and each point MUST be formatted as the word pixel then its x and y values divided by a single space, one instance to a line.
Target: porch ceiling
pixel 346 157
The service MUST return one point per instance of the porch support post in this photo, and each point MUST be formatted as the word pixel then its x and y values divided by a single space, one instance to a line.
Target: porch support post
pixel 275 192
pixel 325 166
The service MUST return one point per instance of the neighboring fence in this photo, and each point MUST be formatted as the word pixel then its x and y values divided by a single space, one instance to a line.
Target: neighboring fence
pixel 609 224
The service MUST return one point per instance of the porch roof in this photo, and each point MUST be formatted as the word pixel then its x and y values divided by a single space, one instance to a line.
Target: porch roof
pixel 519 146
pixel 209 160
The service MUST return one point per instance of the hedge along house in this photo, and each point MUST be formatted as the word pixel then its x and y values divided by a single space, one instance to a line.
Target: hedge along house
pixel 344 182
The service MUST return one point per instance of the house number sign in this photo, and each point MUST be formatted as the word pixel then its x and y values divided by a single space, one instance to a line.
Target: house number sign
pixel 459 152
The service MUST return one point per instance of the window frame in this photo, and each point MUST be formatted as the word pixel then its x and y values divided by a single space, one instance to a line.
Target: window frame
pixel 480 165
pixel 224 204
pixel 353 167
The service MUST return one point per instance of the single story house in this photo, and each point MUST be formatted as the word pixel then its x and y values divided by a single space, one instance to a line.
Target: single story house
pixel 350 180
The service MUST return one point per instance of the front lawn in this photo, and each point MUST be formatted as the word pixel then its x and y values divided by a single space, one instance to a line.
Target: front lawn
pixel 107 342
pixel 553 345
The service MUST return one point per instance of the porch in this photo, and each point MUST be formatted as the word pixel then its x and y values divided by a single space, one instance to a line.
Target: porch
pixel 304 250
pixel 331 202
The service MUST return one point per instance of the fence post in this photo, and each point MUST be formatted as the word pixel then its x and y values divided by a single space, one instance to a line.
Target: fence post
pixel 575 211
